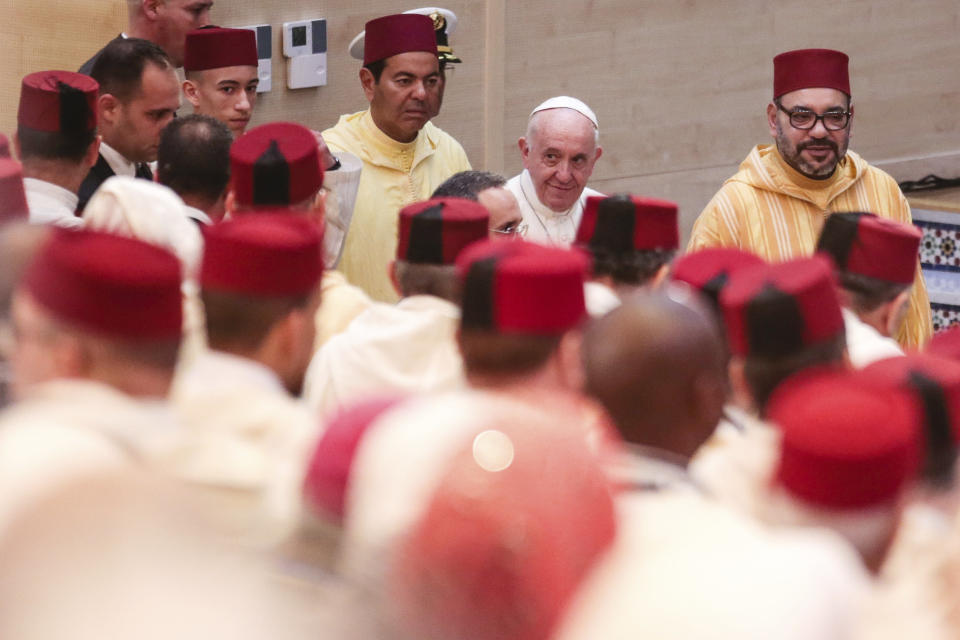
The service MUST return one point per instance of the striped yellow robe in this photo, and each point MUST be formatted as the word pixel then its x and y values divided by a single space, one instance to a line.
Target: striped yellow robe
pixel 770 209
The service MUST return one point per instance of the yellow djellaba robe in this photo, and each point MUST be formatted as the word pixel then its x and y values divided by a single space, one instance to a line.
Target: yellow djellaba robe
pixel 770 209
pixel 394 175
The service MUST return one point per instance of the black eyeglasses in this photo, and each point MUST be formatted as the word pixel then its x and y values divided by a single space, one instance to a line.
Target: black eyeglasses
pixel 806 120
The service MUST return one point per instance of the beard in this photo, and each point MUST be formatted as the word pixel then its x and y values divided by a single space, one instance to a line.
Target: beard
pixel 792 154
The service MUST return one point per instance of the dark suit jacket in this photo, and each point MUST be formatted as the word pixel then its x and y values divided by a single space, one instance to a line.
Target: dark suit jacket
pixel 88 65
pixel 97 176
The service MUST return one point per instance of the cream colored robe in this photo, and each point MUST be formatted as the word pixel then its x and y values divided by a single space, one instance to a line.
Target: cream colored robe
pixel 394 175
pixel 68 428
pixel 245 438
pixel 409 347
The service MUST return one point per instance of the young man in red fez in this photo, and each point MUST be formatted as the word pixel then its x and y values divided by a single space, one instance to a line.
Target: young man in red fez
pixel 917 562
pixel 280 165
pixel 404 156
pixel 408 347
pixel 220 66
pixel 57 142
pixel 163 22
pixel 875 259
pixel 775 205
pixel 139 95
pixel 95 346
pixel 521 316
pixel 781 319
pixel 848 454
pixel 631 241
pixel 260 290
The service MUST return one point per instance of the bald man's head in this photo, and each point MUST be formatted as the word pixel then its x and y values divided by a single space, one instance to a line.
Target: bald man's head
pixel 656 364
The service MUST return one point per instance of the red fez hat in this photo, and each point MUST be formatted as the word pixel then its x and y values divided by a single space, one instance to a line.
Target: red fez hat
pixel 13 200
pixel 275 164
pixel 58 101
pixel 116 286
pixel 844 444
pixel 946 343
pixel 269 255
pixel 521 288
pixel 776 310
pixel 625 223
pixel 868 245
pixel 710 270
pixel 4 146
pixel 809 68
pixel 435 231
pixel 465 551
pixel 328 473
pixel 399 33
pixel 934 382
pixel 216 47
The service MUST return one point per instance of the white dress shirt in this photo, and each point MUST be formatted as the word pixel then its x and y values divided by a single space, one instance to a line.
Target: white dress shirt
pixel 51 204
pixel 120 165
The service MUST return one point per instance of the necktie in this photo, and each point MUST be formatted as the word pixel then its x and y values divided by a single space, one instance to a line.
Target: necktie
pixel 143 171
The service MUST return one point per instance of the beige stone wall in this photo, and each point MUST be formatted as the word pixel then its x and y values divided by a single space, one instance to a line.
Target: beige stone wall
pixel 679 86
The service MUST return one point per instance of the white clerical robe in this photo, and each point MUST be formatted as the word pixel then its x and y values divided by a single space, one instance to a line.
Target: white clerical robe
pixel 65 429
pixel 865 344
pixel 409 347
pixel 51 204
pixel 244 435
pixel 544 225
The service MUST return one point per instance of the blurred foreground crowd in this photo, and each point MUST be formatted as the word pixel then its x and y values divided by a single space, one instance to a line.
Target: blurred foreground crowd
pixel 282 383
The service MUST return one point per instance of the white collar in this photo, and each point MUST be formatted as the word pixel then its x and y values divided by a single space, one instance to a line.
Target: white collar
pixel 51 191
pixel 120 165
pixel 642 468
pixel 219 368
pixel 529 191
pixel 197 214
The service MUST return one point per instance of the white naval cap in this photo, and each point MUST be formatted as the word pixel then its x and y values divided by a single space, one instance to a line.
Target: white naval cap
pixel 566 102
pixel 356 45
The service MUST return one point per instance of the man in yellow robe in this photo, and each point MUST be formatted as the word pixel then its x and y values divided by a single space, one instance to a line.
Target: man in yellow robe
pixel 776 204
pixel 404 156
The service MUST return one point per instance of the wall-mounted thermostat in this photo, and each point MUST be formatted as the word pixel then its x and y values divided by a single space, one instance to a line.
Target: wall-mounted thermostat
pixel 305 44
pixel 264 33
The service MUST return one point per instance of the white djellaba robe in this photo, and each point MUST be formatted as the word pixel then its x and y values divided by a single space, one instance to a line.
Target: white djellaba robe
pixel 683 566
pixel 544 225
pixel 735 464
pixel 67 428
pixel 865 345
pixel 245 439
pixel 409 347
pixel 51 204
